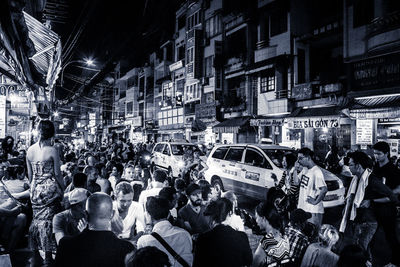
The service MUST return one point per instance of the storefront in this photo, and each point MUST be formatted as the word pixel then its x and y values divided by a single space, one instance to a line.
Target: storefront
pixel 236 130
pixel 317 128
pixel 202 124
pixel 269 129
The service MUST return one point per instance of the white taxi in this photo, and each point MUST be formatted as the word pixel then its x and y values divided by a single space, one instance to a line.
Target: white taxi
pixel 169 156
pixel 251 169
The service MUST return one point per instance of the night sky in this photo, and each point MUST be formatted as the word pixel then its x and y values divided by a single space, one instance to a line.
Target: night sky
pixel 112 31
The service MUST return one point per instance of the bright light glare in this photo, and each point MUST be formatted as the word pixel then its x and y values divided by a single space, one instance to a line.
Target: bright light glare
pixel 56 114
pixel 90 62
pixel 325 129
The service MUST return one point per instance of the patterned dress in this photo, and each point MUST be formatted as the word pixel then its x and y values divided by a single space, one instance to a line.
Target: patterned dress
pixel 46 196
pixel 277 250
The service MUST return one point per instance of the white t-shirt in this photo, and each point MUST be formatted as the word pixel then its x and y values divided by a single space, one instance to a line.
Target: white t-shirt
pixel 310 182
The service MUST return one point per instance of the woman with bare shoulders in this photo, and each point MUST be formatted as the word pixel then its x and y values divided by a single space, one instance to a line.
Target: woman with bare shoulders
pixel 47 188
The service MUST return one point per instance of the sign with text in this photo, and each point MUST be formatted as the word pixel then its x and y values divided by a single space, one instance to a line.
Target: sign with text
pixel 266 122
pixel 313 122
pixel 92 119
pixel 205 110
pixel 364 130
pixel 3 116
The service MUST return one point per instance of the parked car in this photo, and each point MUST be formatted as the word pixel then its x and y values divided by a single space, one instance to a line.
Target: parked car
pixel 251 169
pixel 169 156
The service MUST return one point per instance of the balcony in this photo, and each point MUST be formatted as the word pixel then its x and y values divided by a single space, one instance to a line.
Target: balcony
pixel 234 21
pixel 264 53
pixel 162 71
pixel 281 94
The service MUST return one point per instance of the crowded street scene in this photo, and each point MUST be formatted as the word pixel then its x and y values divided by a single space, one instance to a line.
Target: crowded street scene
pixel 204 133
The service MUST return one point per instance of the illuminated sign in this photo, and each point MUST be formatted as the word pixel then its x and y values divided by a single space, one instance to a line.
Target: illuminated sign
pixel 313 122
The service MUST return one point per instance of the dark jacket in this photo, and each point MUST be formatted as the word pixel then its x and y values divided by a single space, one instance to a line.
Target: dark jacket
pixel 93 248
pixel 222 246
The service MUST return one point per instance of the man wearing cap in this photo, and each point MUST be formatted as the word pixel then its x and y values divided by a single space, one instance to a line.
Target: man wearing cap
pixel 193 212
pixel 298 241
pixel 66 223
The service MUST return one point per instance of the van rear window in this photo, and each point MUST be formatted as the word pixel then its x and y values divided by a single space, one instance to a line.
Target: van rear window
pixel 219 153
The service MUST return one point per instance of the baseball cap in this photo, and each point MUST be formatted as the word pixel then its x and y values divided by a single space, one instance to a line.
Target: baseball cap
pixel 77 195
pixel 299 216
pixel 192 188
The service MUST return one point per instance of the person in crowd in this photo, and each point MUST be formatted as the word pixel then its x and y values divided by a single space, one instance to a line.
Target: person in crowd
pixel 69 169
pixel 158 182
pixel 352 256
pixel 169 193
pixel 79 180
pixel 320 254
pixel 332 159
pixel 90 160
pixel 180 187
pixel 96 245
pixel 12 225
pixel 47 186
pixel 92 175
pixel 274 247
pixel 364 191
pixel 177 238
pixel 201 166
pixel 7 147
pixel 104 183
pixel 193 212
pixel 289 181
pixel 222 245
pixel 116 174
pixel 208 193
pixel 235 221
pixel 146 257
pixel 312 187
pixel 298 241
pixel 128 219
pixel 67 223
pixel 17 183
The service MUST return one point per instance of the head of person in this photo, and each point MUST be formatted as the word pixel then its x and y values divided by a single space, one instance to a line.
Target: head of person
pixel 138 170
pixel 232 197
pixel 288 161
pixel 305 157
pixel 46 130
pixel 219 210
pixel 158 208
pixel 99 209
pixel 169 193
pixel 352 256
pixel 124 195
pixel 129 172
pixel 298 218
pixel 381 152
pixel 79 180
pixel 101 169
pixel 117 170
pixel 77 198
pixel 328 235
pixel 91 173
pixel 147 257
pixel 90 160
pixel 179 184
pixel 194 194
pixel 359 162
pixel 268 218
pixel 160 176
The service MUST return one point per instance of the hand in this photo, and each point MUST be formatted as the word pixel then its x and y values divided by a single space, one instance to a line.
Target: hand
pixel 312 201
pixel 82 224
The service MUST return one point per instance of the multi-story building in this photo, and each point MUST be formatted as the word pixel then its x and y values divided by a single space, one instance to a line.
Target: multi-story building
pixel 372 55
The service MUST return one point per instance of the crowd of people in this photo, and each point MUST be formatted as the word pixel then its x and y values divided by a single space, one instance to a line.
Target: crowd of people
pixel 105 206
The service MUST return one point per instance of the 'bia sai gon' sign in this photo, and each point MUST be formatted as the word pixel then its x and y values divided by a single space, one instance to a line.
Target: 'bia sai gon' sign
pixel 313 122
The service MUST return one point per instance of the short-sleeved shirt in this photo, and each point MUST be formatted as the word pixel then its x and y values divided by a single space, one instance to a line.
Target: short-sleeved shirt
pixel 198 221
pixel 65 223
pixel 390 173
pixel 311 182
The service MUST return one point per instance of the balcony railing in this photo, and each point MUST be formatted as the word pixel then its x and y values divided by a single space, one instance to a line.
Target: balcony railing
pixel 281 94
pixel 264 53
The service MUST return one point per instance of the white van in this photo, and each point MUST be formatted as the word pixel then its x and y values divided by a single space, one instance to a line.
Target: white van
pixel 250 169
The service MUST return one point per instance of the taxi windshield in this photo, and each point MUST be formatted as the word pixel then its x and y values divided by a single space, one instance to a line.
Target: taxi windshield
pixel 276 155
pixel 179 150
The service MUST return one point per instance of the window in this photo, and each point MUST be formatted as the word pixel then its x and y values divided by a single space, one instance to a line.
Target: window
pixel 267 82
pixel 129 107
pixel 235 154
pixel 208 66
pixel 166 150
pixel 193 20
pixel 219 153
pixel 180 52
pixel 159 148
pixel 190 55
pixel 132 81
pixel 278 22
pixel 181 22
pixel 213 26
pixel 167 91
pixel 256 159
pixel 192 92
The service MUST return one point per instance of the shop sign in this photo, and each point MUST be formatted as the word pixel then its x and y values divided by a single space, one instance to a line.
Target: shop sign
pixel 375 113
pixel 266 122
pixel 176 65
pixel 3 116
pixel 149 125
pixel 330 88
pixel 364 130
pixel 92 119
pixel 386 120
pixel 302 91
pixel 205 110
pixel 313 122
pixel 137 121
pixel 377 72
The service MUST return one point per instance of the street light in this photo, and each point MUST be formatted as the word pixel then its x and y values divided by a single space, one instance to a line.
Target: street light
pixel 88 62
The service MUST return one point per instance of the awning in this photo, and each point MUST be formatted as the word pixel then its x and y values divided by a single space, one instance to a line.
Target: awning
pixel 198 125
pixel 375 107
pixel 232 125
pixel 323 117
